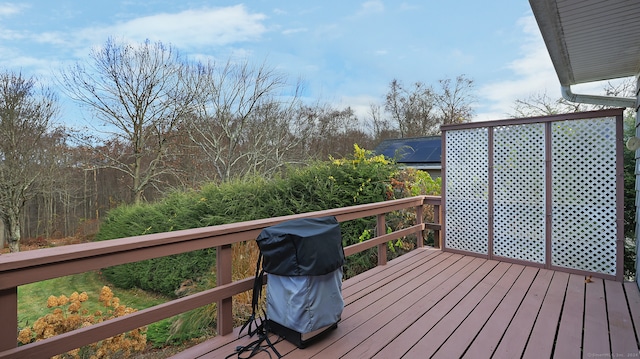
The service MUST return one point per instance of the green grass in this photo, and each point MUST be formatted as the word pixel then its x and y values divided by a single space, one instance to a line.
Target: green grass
pixel 32 298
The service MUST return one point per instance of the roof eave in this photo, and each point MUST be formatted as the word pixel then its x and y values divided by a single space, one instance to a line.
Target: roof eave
pixel 549 22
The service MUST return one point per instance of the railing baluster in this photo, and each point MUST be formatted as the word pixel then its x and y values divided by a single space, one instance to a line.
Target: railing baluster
pixel 381 229
pixel 419 215
pixel 437 234
pixel 224 276
pixel 9 315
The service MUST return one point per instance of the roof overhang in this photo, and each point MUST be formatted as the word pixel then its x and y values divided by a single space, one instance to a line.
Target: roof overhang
pixel 590 40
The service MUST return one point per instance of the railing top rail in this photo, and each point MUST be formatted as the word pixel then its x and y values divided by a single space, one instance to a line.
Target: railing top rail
pixel 538 119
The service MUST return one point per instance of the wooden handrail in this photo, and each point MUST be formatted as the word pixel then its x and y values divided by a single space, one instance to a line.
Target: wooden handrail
pixel 32 266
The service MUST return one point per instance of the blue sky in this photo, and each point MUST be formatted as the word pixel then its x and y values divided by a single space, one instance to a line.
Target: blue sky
pixel 346 52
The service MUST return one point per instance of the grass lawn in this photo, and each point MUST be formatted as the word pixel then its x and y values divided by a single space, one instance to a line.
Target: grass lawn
pixel 32 298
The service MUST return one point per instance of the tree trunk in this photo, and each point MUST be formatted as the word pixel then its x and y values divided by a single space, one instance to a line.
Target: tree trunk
pixel 2 235
pixel 13 224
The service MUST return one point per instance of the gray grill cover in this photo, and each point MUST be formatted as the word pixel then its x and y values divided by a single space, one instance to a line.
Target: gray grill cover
pixel 305 303
pixel 304 260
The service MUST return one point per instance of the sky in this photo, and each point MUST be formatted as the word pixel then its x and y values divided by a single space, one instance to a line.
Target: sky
pixel 345 52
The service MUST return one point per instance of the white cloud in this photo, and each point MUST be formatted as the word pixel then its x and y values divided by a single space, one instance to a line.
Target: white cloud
pixel 533 73
pixel 190 29
pixel 405 6
pixel 11 35
pixel 193 28
pixel 371 7
pixel 294 31
pixel 361 105
pixel 8 9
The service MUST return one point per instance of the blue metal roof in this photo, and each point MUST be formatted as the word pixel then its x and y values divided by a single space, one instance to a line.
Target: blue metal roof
pixel 416 150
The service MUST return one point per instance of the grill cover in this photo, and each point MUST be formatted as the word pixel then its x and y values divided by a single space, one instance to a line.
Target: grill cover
pixel 302 247
pixel 304 259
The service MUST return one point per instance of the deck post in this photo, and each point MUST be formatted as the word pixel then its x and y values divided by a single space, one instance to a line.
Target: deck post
pixel 419 220
pixel 437 234
pixel 223 276
pixel 381 230
pixel 9 310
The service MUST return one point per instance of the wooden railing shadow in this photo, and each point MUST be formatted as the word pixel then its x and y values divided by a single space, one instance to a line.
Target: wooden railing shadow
pixel 17 269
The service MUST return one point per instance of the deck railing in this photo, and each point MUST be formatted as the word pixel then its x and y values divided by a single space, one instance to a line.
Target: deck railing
pixel 17 269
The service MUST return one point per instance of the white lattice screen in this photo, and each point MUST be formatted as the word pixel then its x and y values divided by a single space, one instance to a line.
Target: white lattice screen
pixel 519 192
pixel 467 190
pixel 511 187
pixel 584 201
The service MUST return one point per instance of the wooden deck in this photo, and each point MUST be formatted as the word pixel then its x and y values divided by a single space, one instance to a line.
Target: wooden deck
pixel 430 303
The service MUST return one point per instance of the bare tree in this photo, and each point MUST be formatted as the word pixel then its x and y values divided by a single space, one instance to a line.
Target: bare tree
pixel 381 126
pixel 140 93
pixel 244 118
pixel 412 109
pixel 540 104
pixel 454 100
pixel 26 113
pixel 420 110
pixel 332 131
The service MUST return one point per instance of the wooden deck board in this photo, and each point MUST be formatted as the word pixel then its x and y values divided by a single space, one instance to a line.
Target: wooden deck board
pixel 394 305
pixel 464 335
pixel 542 337
pixel 428 345
pixel 596 330
pixel 403 331
pixel 489 337
pixel 621 334
pixel 633 302
pixel 442 305
pixel 356 287
pixel 569 340
pixel 515 339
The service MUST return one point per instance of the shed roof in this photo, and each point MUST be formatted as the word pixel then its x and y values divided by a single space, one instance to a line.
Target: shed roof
pixel 416 151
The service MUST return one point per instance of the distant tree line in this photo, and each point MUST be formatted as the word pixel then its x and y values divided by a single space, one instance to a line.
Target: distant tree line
pixel 160 122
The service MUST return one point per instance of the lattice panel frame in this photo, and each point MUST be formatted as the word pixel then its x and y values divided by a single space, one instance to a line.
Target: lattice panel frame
pixel 519 192
pixel 467 184
pixel 584 195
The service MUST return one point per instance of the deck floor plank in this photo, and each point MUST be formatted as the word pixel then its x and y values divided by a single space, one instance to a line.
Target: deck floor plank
pixel 596 329
pixel 429 343
pixel 515 338
pixel 540 343
pixel 569 338
pixel 489 337
pixel 394 304
pixel 622 336
pixel 406 273
pixel 358 286
pixel 401 333
pixel 463 336
pixel 442 305
pixel 632 293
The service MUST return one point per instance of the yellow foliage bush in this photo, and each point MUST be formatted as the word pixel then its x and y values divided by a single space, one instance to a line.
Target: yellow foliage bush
pixel 75 317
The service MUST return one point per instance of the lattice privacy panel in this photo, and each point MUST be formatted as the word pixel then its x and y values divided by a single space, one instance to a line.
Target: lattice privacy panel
pixel 466 189
pixel 557 172
pixel 519 192
pixel 583 195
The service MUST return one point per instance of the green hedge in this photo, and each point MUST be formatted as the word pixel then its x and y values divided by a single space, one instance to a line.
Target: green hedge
pixel 321 185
